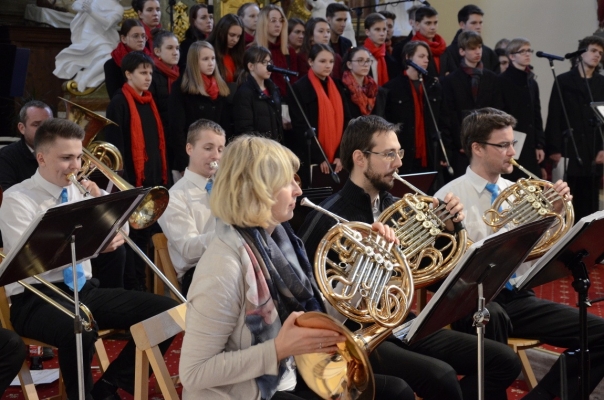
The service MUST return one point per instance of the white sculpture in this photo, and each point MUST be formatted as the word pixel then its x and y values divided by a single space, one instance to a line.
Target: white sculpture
pixel 402 26
pixel 319 9
pixel 94 35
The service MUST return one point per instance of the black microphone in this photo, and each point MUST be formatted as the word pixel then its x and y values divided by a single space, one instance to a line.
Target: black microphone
pixel 550 57
pixel 283 71
pixel 417 67
pixel 574 54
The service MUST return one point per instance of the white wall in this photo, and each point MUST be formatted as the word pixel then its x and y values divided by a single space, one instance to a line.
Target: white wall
pixel 552 26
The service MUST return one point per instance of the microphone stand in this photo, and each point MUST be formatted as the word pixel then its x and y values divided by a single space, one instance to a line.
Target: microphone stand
pixel 440 139
pixel 569 130
pixel 310 134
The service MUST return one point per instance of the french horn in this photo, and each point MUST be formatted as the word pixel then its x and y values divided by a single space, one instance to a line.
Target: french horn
pixel 431 251
pixel 366 280
pixel 529 200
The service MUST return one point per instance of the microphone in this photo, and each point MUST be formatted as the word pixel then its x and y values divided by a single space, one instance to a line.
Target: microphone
pixel 283 71
pixel 574 53
pixel 417 67
pixel 550 57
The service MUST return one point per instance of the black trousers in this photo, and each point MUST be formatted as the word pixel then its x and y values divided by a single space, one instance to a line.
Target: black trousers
pixel 109 267
pixel 431 365
pixel 524 315
pixel 12 354
pixel 112 308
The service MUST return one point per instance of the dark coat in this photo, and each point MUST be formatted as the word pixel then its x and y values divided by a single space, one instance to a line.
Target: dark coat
pixel 520 94
pixel 192 35
pixel 187 108
pixel 451 59
pixel 353 110
pixel 459 102
pixel 256 111
pixel 397 51
pixel 400 109
pixel 114 79
pixel 160 92
pixel 342 46
pixel 17 163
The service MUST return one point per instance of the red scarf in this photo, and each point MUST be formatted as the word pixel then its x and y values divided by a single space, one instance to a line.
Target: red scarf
pixel 211 86
pixel 437 47
pixel 331 115
pixel 171 72
pixel 420 133
pixel 247 38
pixel 148 32
pixel 229 67
pixel 363 96
pixel 137 137
pixel 121 50
pixel 379 53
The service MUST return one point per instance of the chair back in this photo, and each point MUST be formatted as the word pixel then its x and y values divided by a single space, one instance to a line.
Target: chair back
pixel 164 263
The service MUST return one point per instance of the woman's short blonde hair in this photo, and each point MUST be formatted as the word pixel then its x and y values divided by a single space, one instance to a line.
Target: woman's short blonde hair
pixel 252 169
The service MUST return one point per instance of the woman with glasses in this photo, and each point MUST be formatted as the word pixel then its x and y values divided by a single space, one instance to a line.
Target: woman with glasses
pixel 361 94
pixel 201 23
pixel 132 38
pixel 227 39
pixel 200 92
pixel 321 100
pixel 149 13
pixel 257 99
pixel 317 32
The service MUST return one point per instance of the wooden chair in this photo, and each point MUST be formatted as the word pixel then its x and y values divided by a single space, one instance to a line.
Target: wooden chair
pixel 520 346
pixel 164 263
pixel 147 335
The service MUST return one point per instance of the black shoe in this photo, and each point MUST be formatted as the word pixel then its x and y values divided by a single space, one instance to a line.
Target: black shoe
pixel 104 390
pixel 47 354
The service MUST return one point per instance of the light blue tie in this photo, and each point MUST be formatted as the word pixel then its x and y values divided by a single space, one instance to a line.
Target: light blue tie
pixel 209 185
pixel 68 272
pixel 494 189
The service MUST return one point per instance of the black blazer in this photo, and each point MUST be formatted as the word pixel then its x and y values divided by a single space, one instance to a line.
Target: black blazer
pixel 353 110
pixel 256 111
pixel 17 163
pixel 114 79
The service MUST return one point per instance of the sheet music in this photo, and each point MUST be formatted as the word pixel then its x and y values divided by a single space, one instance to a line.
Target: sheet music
pixel 520 137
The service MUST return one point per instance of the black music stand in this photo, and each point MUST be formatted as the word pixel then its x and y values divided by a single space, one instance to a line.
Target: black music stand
pixel 481 274
pixel 50 242
pixel 577 251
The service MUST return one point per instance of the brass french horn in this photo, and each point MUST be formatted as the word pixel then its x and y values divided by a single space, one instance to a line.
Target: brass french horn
pixel 367 280
pixel 431 251
pixel 529 200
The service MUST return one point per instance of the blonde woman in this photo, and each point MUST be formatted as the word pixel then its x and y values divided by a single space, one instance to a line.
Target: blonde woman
pixel 253 281
pixel 199 92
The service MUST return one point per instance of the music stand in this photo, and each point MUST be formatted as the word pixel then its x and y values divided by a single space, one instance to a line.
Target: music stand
pixel 49 243
pixel 481 273
pixel 577 251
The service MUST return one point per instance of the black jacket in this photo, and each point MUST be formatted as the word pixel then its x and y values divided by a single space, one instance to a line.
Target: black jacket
pixel 187 108
pixel 17 163
pixel 450 60
pixel 192 35
pixel 520 93
pixel 343 46
pixel 353 110
pixel 114 79
pixel 400 109
pixel 159 90
pixel 459 102
pixel 256 111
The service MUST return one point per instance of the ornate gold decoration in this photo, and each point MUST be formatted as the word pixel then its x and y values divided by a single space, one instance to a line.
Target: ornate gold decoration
pixel 72 87
pixel 297 9
pixel 129 14
pixel 181 21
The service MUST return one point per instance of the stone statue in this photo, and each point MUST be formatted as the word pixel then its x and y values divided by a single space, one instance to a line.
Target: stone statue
pixel 319 9
pixel 93 36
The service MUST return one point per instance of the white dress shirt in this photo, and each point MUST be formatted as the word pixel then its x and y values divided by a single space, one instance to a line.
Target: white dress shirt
pixel 20 205
pixel 187 222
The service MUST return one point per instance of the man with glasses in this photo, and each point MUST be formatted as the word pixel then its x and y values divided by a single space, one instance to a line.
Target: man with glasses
pixel 371 153
pixel 488 138
pixel 520 93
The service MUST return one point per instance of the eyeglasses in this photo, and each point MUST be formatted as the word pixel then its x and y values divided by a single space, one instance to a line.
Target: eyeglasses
pixel 502 146
pixel 363 62
pixel 266 62
pixel 137 36
pixel 275 20
pixel 524 51
pixel 389 155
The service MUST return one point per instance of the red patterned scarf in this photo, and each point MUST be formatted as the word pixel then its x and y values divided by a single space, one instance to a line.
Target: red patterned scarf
pixel 420 130
pixel 437 47
pixel 211 86
pixel 171 72
pixel 379 53
pixel 363 96
pixel 137 137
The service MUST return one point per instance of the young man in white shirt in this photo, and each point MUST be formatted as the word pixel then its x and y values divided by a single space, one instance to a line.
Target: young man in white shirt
pixel 58 148
pixel 187 221
pixel 488 138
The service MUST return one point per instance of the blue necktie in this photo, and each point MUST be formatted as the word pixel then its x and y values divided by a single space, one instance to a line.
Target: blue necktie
pixel 209 185
pixel 68 272
pixel 494 189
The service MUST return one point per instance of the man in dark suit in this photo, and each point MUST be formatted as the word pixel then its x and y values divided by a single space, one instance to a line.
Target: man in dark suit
pixel 336 15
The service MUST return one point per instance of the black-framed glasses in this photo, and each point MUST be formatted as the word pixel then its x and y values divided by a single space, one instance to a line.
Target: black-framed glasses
pixel 502 146
pixel 363 62
pixel 524 51
pixel 389 155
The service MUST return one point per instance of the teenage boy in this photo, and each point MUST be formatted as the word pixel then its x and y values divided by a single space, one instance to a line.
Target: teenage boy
pixel 470 18
pixel 187 222
pixel 520 93
pixel 383 66
pixel 139 136
pixel 58 147
pixel 336 15
pixel 426 26
pixel 466 89
pixel 582 179
pixel 390 17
